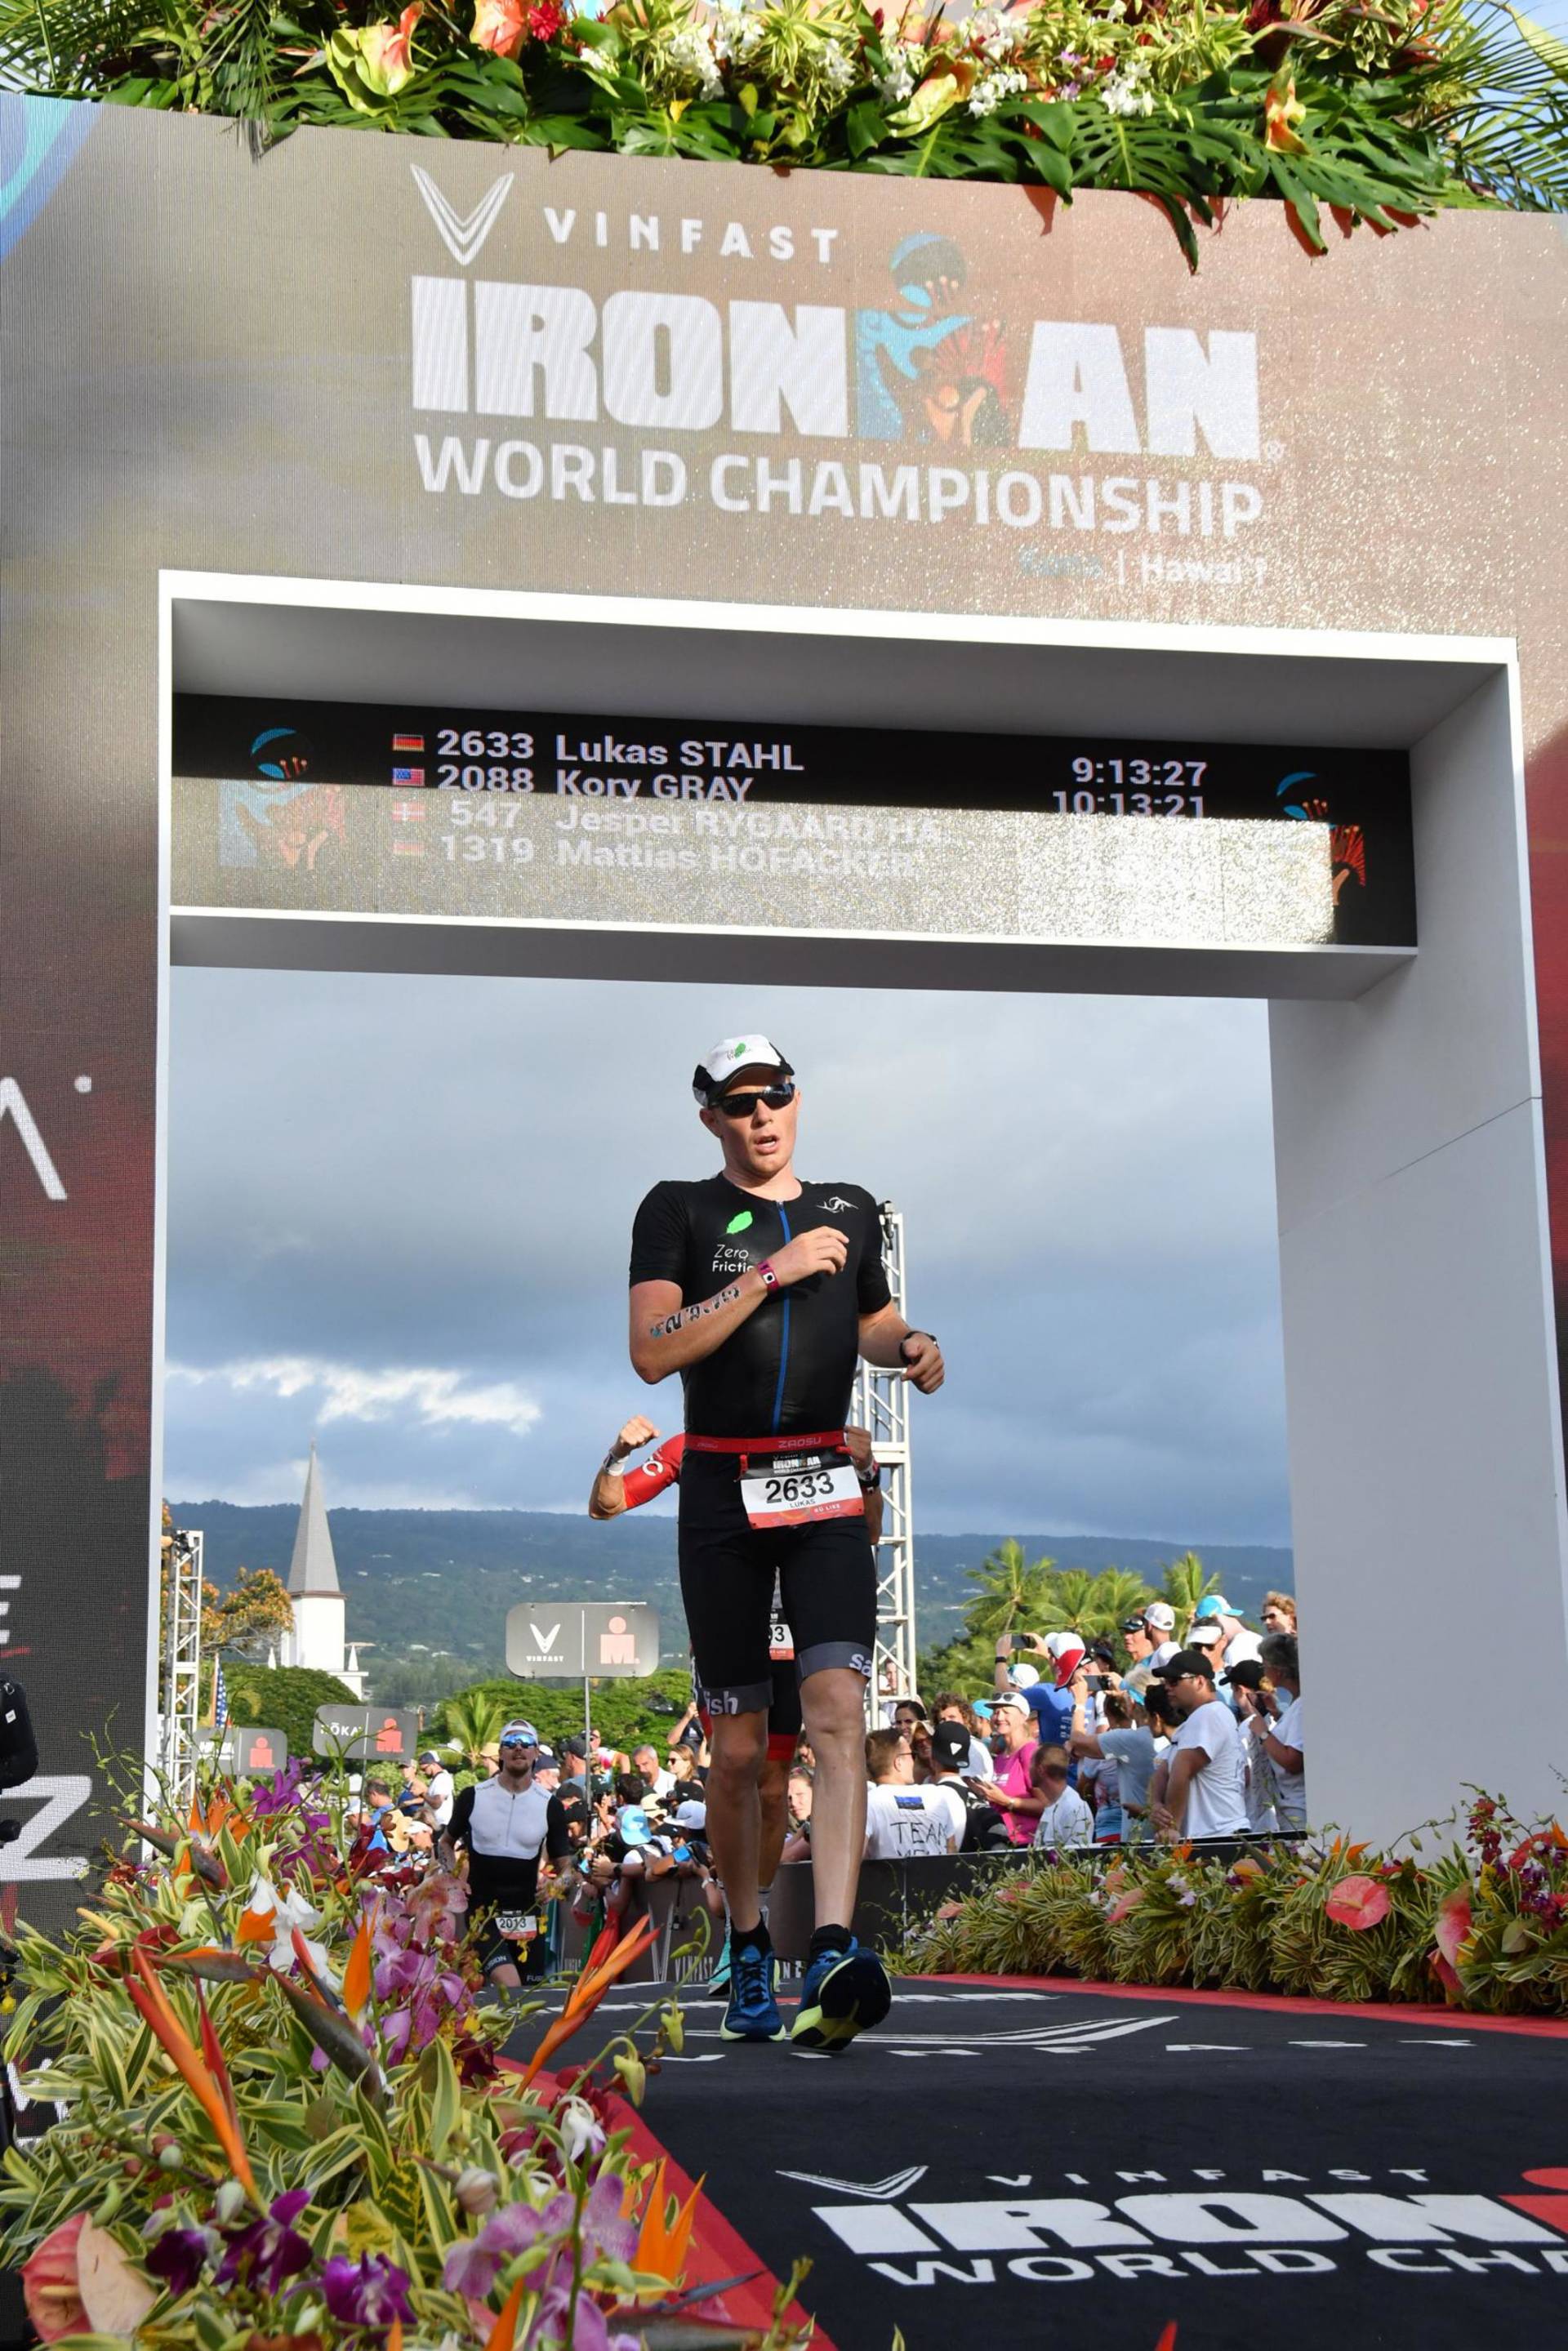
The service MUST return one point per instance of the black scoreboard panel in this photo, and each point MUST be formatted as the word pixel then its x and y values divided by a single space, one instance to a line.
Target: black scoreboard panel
pixel 759 825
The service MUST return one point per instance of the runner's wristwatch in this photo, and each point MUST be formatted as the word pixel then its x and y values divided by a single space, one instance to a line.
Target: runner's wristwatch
pixel 913 1334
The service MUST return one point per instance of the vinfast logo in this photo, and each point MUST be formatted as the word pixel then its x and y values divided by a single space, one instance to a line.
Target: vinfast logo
pixel 915 367
pixel 462 234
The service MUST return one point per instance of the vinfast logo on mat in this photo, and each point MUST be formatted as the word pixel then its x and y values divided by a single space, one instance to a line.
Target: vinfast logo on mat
pixel 1288 2225
pixel 917 366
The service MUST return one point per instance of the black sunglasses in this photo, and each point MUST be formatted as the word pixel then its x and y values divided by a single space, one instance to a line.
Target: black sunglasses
pixel 744 1105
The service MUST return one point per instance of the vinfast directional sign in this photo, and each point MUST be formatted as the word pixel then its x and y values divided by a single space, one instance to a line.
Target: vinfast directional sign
pixel 566 1639
pixel 366 1734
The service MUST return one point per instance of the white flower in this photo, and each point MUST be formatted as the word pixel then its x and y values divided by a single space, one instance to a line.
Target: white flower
pixel 838 65
pixel 691 53
pixel 1123 94
pixel 580 2131
pixel 995 35
pixel 989 94
pixel 737 36
pixel 287 1912
pixel 898 82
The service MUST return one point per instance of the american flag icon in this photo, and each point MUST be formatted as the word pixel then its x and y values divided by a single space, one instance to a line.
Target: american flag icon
pixel 409 811
pixel 408 743
pixel 408 775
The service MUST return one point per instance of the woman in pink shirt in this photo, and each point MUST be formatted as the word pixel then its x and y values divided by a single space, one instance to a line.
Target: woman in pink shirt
pixel 1019 1803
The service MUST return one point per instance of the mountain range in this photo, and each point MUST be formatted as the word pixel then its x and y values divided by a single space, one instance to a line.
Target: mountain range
pixel 432 1583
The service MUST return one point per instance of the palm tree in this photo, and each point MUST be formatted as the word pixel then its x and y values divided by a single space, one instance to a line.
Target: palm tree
pixel 472 1722
pixel 1013 1593
pixel 1186 1583
pixel 1070 1605
pixel 1117 1595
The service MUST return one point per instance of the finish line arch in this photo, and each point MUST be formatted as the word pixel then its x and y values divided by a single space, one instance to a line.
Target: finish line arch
pixel 1423 1432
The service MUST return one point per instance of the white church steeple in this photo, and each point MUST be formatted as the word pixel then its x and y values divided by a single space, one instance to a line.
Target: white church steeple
pixel 319 1634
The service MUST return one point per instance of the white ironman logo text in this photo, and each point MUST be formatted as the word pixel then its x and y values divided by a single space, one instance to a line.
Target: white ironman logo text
pixel 751 484
pixel 678 362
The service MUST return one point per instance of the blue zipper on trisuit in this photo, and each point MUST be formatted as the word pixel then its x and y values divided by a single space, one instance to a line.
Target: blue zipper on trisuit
pixel 784 1335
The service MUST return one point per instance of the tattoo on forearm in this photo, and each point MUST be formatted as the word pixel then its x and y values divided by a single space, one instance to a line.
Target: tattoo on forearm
pixel 689 1314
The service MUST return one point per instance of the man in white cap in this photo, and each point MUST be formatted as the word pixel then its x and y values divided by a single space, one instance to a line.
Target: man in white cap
pixel 762 1290
pixel 1160 1618
pixel 500 1828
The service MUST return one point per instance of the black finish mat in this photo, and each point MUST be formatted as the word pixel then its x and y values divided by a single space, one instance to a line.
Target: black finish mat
pixel 994 2163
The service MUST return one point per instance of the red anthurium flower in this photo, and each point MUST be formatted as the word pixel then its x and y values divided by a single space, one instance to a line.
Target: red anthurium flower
pixel 1358 1903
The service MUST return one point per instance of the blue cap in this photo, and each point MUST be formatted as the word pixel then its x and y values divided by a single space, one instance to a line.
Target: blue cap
pixel 1215 1605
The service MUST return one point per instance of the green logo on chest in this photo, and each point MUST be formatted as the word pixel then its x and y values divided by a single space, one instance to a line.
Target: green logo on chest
pixel 739 1223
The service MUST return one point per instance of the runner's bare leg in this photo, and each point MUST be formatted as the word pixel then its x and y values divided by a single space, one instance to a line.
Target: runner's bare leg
pixel 739 1748
pixel 833 1703
pixel 774 1796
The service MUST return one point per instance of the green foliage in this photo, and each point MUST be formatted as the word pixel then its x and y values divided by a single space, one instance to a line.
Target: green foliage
pixel 624 1713
pixel 1484 1924
pixel 206 2055
pixel 285 1698
pixel 1380 114
pixel 1014 1596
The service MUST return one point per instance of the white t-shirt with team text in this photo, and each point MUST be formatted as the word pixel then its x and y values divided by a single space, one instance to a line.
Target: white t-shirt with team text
pixel 902 1824
pixel 1216 1795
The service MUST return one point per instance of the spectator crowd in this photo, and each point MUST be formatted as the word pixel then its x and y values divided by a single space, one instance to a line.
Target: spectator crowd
pixel 1078 1743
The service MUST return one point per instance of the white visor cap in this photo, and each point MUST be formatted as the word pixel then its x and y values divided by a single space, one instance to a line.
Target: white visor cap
pixel 720 1063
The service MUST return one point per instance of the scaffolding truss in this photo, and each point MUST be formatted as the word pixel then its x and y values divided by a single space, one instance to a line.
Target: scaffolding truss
pixel 882 1404
pixel 182 1663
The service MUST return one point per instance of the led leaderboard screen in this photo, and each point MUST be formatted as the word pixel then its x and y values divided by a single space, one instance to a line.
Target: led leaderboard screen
pixel 567 817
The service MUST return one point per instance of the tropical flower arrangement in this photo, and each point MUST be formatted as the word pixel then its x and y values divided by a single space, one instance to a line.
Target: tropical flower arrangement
pixel 1379 110
pixel 285 2120
pixel 1482 1925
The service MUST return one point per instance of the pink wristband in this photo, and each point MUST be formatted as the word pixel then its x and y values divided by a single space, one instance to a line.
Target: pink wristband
pixel 770 1279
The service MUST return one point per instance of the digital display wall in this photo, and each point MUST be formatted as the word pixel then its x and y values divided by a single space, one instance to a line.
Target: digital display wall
pixel 578 817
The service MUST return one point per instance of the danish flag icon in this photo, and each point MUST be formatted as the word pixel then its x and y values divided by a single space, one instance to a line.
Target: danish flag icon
pixel 462 234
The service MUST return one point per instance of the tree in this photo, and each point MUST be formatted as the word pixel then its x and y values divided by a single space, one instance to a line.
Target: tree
pixel 243 1619
pixel 1012 1594
pixel 285 1698
pixel 471 1721
pixel 1186 1583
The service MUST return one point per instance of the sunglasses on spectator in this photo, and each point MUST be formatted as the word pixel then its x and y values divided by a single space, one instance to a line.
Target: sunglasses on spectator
pixel 526 1745
pixel 744 1105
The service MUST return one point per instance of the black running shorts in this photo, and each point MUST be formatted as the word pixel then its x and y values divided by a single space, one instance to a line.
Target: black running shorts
pixel 826 1572
pixel 784 1720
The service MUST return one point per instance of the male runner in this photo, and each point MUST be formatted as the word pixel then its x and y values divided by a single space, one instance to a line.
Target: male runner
pixel 761 1291
pixel 617 1489
pixel 501 1825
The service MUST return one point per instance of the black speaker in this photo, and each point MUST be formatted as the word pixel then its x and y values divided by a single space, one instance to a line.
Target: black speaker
pixel 18 1748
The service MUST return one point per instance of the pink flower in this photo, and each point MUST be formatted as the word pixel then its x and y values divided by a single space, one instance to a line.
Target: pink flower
pixel 1358 1903
pixel 498 25
pixel 1454 1921
pixel 51 2287
pixel 386 51
pixel 1124 1906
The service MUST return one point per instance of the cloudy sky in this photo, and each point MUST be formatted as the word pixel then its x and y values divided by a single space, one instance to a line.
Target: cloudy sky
pixel 400 1211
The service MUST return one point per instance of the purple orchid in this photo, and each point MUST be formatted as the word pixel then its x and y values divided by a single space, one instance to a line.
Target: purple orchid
pixel 371 2292
pixel 270 2251
pixel 178 2256
pixel 586 2328
pixel 607 2234
pixel 473 2265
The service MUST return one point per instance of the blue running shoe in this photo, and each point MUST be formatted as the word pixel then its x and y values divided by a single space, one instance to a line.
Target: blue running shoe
pixel 753 2012
pixel 844 1991
pixel 718 1983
